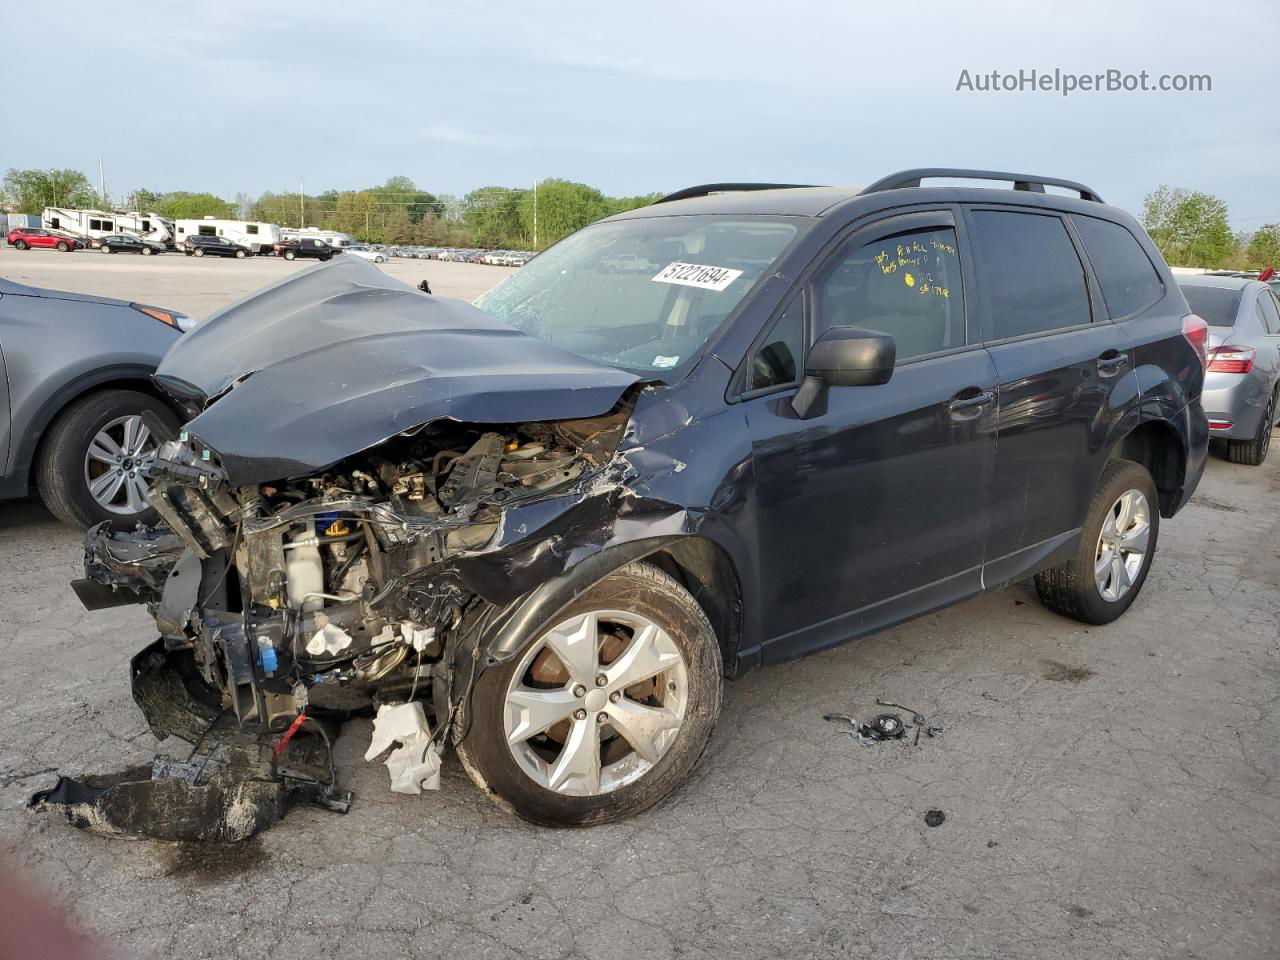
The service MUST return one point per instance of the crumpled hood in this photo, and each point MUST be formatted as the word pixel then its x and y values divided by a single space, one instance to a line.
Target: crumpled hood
pixel 337 358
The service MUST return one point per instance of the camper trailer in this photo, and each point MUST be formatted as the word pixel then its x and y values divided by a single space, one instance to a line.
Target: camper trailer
pixel 332 237
pixel 258 237
pixel 90 224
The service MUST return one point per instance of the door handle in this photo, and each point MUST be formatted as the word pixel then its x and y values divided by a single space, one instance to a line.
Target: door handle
pixel 1110 363
pixel 961 404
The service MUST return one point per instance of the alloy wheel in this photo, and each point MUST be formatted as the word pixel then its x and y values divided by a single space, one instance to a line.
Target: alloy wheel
pixel 114 462
pixel 596 702
pixel 1122 545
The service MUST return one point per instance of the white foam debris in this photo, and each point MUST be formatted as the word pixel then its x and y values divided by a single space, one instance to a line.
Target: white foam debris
pixel 329 639
pixel 415 764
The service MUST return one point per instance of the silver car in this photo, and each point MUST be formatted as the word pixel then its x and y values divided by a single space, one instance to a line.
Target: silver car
pixel 1241 384
pixel 73 419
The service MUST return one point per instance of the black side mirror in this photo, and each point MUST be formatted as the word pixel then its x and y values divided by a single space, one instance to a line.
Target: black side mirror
pixel 844 357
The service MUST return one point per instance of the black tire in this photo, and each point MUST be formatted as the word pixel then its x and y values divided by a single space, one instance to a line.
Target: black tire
pixel 198 252
pixel 147 251
pixel 1071 589
pixel 21 244
pixel 239 254
pixel 60 466
pixel 1253 452
pixel 63 247
pixel 643 589
pixel 105 248
pixel 290 255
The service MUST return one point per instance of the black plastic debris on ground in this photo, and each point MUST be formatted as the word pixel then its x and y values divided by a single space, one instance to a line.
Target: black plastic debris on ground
pixel 231 784
pixel 934 818
pixel 885 726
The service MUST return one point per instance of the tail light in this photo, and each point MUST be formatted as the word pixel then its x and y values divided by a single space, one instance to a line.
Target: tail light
pixel 1231 359
pixel 1197 333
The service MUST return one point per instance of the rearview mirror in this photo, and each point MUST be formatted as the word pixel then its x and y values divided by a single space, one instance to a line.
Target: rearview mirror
pixel 844 357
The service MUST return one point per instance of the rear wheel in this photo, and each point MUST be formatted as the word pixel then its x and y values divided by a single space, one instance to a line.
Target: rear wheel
pixel 1117 545
pixel 603 714
pixel 90 464
pixel 1253 452
pixel 63 247
pixel 198 252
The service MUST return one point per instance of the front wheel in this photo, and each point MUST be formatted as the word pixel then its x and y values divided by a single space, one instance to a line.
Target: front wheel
pixel 604 713
pixel 147 251
pixel 1252 452
pixel 239 254
pixel 198 252
pixel 289 255
pixel 104 249
pixel 21 244
pixel 63 247
pixel 1117 545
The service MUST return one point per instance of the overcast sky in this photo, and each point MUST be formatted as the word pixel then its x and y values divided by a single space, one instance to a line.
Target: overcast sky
pixel 631 98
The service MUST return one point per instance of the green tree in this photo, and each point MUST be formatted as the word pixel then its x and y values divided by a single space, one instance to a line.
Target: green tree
pixel 1263 249
pixel 493 216
pixel 180 205
pixel 562 207
pixel 1190 228
pixel 33 190
pixel 401 190
pixel 144 200
pixel 398 227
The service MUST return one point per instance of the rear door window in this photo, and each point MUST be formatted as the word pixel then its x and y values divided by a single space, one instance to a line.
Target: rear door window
pixel 1270 317
pixel 1128 279
pixel 1030 277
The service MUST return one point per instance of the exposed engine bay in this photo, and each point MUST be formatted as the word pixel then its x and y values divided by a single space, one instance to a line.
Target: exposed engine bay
pixel 286 607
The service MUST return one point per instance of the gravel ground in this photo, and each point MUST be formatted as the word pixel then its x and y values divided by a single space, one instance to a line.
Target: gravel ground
pixel 1108 792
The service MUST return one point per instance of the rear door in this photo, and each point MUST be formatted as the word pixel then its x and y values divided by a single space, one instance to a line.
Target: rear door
pixel 1062 367
pixel 874 510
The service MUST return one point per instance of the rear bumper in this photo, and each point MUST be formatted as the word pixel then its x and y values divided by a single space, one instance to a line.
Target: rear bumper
pixel 1237 399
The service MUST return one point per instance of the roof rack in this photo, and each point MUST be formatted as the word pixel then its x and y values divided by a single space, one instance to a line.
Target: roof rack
pixel 1021 181
pixel 706 189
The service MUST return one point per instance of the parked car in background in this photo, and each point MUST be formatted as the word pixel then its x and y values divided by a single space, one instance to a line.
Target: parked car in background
pixel 366 252
pixel 124 243
pixel 824 412
pixel 198 246
pixel 72 421
pixel 1242 383
pixel 307 247
pixel 36 237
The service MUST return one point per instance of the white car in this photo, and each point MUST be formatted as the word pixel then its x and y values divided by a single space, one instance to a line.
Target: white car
pixel 366 253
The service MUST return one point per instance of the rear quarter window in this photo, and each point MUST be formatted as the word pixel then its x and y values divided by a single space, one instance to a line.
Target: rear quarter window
pixel 1217 306
pixel 1128 279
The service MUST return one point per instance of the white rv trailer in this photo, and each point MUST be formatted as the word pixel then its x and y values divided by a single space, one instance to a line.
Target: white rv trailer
pixel 89 224
pixel 333 238
pixel 257 236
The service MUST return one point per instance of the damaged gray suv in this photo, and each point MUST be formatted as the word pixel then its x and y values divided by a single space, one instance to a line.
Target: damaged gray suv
pixel 735 427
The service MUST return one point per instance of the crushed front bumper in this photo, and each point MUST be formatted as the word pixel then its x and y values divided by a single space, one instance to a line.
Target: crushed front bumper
pixel 229 785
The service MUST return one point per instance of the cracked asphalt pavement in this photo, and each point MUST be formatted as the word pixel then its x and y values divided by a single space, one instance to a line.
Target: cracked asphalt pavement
pixel 1108 792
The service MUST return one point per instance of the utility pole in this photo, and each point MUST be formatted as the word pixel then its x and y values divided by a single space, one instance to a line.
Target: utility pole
pixel 535 213
pixel 102 185
pixel 302 206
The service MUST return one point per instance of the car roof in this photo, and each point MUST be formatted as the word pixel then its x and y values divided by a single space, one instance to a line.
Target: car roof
pixel 1226 283
pixel 898 189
